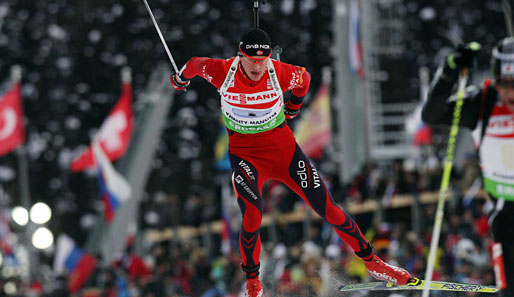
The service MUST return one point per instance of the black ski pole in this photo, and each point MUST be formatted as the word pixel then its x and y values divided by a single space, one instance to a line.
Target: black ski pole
pixel 507 13
pixel 256 12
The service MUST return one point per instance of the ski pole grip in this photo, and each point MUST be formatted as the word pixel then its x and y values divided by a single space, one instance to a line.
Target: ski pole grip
pixel 256 13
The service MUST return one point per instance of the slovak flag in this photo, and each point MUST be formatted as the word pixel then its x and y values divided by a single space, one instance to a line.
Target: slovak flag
pixel 114 187
pixel 12 130
pixel 71 259
pixel 114 134
pixel 355 45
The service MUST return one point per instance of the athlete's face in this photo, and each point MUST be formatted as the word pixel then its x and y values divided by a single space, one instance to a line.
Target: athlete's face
pixel 505 88
pixel 254 66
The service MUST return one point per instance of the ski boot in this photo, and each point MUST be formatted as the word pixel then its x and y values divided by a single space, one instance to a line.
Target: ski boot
pixel 389 273
pixel 253 288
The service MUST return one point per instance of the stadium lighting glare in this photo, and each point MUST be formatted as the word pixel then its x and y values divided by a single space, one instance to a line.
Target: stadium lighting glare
pixel 42 238
pixel 20 215
pixel 10 288
pixel 40 213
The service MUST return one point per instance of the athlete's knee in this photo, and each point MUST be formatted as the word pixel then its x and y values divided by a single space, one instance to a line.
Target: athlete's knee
pixel 334 215
pixel 252 219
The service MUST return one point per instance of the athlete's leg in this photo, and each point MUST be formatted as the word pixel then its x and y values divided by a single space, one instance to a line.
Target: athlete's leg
pixel 304 179
pixel 502 220
pixel 245 180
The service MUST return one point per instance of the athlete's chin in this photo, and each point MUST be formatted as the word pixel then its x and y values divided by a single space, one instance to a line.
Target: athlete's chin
pixel 509 103
pixel 255 77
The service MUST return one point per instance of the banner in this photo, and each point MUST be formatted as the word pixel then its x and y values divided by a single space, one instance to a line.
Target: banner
pixel 313 132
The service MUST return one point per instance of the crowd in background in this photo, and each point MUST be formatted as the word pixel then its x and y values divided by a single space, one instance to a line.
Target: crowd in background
pixel 316 265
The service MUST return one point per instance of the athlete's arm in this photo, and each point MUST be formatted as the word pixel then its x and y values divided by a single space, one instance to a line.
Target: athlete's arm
pixel 438 110
pixel 297 79
pixel 212 70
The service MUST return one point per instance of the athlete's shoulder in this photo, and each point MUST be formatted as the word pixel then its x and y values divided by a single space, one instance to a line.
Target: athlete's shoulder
pixel 291 76
pixel 286 68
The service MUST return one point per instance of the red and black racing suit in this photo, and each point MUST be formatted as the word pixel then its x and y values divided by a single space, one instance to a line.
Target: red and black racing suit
pixel 273 154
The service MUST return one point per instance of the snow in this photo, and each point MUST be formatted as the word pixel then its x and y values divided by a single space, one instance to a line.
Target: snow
pixel 56 32
pixel 427 13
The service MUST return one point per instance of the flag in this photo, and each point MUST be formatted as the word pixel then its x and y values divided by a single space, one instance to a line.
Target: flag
pixel 71 259
pixel 114 187
pixel 313 132
pixel 420 133
pixel 6 235
pixel 12 130
pixel 355 45
pixel 221 161
pixel 114 134
pixel 387 199
pixel 423 136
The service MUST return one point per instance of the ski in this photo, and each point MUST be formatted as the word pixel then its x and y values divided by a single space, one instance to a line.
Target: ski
pixel 417 284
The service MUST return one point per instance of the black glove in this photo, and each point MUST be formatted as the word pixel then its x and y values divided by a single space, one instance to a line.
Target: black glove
pixel 464 56
pixel 179 82
pixel 292 107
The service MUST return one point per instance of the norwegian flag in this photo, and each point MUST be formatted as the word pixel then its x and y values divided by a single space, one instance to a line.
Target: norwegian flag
pixel 12 130
pixel 114 134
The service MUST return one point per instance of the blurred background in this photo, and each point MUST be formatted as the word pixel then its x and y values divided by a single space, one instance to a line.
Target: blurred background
pixel 370 60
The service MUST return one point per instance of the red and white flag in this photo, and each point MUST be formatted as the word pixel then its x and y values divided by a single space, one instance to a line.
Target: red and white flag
pixel 12 130
pixel 114 134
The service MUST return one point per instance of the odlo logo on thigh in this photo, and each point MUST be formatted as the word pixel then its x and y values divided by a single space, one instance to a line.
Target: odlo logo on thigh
pixel 304 177
pixel 302 174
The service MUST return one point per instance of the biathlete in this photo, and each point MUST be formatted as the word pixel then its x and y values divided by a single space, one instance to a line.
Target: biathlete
pixel 262 147
pixel 488 109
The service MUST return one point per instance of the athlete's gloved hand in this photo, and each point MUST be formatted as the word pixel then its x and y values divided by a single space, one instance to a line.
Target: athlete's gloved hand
pixel 179 82
pixel 464 56
pixel 292 107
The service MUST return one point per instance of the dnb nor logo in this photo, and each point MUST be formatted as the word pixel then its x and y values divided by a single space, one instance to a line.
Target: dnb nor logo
pixel 507 68
pixel 257 46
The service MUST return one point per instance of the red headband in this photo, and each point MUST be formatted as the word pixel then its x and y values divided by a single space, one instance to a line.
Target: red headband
pixel 258 59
